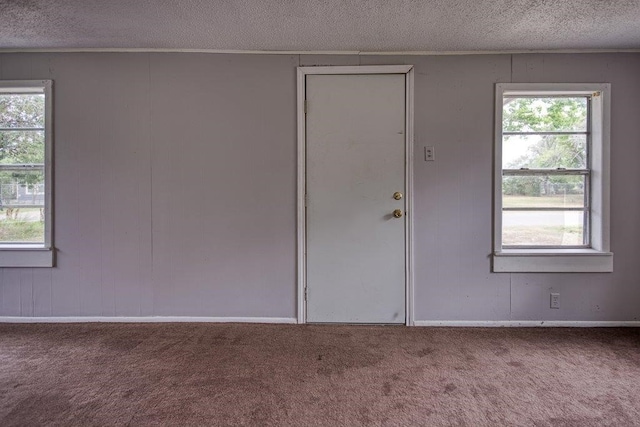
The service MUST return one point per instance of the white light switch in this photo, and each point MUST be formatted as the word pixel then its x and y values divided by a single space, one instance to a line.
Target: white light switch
pixel 429 154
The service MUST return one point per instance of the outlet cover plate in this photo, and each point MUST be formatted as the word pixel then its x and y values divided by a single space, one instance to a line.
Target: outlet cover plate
pixel 555 300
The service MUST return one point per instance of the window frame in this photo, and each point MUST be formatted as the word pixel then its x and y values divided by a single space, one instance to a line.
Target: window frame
pixel 35 254
pixel 597 256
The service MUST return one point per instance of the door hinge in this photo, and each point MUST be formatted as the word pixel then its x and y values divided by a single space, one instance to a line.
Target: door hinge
pixel 305 293
pixel 306 106
pixel 306 200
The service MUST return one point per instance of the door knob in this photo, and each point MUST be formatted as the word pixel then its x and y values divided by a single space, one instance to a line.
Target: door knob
pixel 397 213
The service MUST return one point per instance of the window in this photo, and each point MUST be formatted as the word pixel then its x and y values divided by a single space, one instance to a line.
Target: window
pixel 551 178
pixel 25 174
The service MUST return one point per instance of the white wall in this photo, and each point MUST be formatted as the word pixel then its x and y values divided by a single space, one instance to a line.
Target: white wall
pixel 175 187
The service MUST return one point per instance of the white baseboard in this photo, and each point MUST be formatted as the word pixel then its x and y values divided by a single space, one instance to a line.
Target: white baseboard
pixel 527 323
pixel 293 320
pixel 145 319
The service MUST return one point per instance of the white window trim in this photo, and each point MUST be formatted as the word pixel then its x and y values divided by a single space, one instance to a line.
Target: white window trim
pixel 35 255
pixel 598 258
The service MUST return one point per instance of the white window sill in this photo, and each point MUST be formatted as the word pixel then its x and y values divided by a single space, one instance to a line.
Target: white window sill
pixel 26 256
pixel 552 261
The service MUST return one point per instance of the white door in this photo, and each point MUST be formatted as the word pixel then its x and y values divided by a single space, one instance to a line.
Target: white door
pixel 355 148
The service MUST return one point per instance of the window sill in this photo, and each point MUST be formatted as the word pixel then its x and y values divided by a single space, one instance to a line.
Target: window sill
pixel 26 256
pixel 552 261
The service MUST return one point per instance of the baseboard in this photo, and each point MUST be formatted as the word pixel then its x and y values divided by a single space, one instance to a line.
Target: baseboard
pixel 293 320
pixel 528 323
pixel 145 319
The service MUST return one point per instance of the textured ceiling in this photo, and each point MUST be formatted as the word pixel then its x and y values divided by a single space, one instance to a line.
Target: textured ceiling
pixel 329 25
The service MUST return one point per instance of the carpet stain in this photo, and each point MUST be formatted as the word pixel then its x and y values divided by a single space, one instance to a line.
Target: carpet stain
pixel 364 416
pixel 127 394
pixel 261 415
pixel 337 361
pixel 386 388
pixel 450 388
pixel 423 352
pixel 29 411
pixel 501 351
pixel 515 364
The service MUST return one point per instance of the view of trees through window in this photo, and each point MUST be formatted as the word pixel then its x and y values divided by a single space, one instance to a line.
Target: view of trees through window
pixel 22 152
pixel 545 171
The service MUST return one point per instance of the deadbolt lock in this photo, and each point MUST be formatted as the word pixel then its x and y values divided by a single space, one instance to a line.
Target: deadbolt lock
pixel 397 195
pixel 397 213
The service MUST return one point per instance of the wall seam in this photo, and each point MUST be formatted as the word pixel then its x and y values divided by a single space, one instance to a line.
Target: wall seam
pixel 511 70
pixel 511 296
pixel 2 285
pixel 153 308
pixel 33 295
pixel 20 293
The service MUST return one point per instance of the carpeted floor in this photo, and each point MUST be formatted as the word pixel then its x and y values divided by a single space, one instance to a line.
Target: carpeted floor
pixel 289 375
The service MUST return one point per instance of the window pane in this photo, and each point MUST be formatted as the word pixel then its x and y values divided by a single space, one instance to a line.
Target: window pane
pixel 536 228
pixel 21 188
pixel 544 114
pixel 17 147
pixel 22 206
pixel 18 111
pixel 543 191
pixel 544 151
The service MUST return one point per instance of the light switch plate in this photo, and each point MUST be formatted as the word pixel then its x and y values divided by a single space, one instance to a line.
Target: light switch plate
pixel 429 154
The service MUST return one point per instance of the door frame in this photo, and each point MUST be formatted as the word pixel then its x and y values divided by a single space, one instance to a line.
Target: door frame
pixel 301 227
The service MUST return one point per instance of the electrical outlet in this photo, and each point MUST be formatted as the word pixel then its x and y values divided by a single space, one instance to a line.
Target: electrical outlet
pixel 555 300
pixel 429 154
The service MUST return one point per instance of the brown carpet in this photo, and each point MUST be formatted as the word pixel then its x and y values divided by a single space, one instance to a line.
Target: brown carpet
pixel 289 375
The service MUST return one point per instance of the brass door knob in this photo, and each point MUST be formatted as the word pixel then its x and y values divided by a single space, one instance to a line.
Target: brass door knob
pixel 397 213
pixel 397 195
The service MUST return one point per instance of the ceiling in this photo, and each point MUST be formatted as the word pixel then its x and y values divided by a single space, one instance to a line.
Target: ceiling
pixel 322 25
